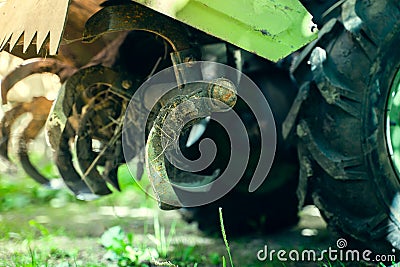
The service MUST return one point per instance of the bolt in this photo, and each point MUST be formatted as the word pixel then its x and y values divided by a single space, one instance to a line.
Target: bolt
pixel 126 84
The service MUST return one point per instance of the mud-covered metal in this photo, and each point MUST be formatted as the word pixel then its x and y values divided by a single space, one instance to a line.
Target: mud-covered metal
pixel 70 175
pixel 88 109
pixel 132 16
pixel 72 93
pixel 95 75
pixel 206 97
pixel 86 119
pixel 40 108
pixel 100 123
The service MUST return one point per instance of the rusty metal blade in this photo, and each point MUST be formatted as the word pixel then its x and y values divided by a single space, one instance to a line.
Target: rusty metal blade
pixel 32 130
pixel 133 16
pixel 67 170
pixel 43 18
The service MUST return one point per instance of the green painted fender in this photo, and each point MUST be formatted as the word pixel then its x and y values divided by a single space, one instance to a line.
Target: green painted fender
pixel 269 28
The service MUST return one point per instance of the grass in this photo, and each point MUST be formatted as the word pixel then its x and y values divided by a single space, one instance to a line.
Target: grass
pixel 35 219
pixel 121 248
pixel 41 227
pixel 127 250
pixel 37 258
pixel 160 239
pixel 18 193
pixel 228 250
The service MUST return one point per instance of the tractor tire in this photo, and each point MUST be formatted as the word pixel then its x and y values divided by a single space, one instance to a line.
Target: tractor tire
pixel 341 120
pixel 274 205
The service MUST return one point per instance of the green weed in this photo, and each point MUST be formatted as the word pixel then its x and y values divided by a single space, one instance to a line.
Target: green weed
pixel 221 220
pixel 121 248
pixel 160 239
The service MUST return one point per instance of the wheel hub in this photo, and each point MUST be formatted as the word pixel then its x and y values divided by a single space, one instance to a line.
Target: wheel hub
pixel 393 123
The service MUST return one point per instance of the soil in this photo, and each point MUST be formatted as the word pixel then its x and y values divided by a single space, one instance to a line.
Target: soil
pixel 78 226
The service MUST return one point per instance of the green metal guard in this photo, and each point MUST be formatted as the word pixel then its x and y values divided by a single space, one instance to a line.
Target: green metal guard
pixel 269 28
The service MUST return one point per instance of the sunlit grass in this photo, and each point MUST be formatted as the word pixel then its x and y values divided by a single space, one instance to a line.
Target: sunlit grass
pixel 38 222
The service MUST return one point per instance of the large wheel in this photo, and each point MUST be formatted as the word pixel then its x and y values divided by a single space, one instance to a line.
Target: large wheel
pixel 348 126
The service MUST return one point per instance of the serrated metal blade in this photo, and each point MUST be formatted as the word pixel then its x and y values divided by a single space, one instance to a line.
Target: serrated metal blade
pixel 30 18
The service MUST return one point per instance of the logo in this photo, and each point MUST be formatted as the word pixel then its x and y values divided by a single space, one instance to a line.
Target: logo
pixel 331 254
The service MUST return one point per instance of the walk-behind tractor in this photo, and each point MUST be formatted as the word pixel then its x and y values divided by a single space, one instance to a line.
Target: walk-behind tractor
pixel 334 140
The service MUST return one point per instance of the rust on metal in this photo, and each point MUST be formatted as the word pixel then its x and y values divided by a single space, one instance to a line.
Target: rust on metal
pixel 207 97
pixel 134 16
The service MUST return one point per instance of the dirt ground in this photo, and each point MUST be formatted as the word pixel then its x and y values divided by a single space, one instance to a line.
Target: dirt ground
pixel 55 224
pixel 78 226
